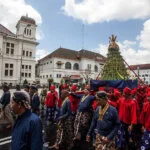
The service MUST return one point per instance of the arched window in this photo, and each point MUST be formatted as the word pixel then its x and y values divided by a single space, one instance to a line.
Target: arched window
pixel 76 66
pixel 25 30
pixel 96 68
pixel 68 65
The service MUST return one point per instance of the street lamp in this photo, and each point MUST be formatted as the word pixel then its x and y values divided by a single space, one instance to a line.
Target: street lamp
pixel 138 70
pixel 28 25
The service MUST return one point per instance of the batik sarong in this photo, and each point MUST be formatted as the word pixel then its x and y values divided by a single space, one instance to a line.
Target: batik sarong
pixel 65 134
pixel 123 136
pixel 6 115
pixel 50 113
pixel 82 123
pixel 101 145
pixel 145 141
pixel 137 135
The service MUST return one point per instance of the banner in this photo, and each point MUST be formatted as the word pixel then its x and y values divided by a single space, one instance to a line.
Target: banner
pixel 119 84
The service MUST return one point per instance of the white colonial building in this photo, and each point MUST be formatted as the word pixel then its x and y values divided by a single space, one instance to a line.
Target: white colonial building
pixel 17 52
pixel 71 65
pixel 143 71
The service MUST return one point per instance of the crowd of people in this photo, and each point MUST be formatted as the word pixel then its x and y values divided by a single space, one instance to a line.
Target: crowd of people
pixel 108 119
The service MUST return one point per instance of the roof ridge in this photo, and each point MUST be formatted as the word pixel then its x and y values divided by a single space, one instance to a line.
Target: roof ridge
pixel 72 54
pixel 140 64
pixel 7 30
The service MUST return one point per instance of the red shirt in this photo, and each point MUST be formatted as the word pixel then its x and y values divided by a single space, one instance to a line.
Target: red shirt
pixel 145 116
pixel 51 99
pixel 74 102
pixel 138 109
pixel 127 111
pixel 112 103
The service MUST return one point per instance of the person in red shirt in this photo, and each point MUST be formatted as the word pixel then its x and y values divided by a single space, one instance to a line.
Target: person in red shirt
pixel 74 101
pixel 145 121
pixel 59 102
pixel 127 115
pixel 50 102
pixel 136 131
pixel 134 93
pixel 114 97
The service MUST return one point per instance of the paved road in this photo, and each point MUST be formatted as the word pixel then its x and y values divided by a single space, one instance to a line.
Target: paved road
pixel 5 138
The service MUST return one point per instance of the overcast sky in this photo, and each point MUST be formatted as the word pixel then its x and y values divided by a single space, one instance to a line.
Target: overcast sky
pixel 77 24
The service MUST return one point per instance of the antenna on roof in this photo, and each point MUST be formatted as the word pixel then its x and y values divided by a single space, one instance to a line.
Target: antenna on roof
pixel 83 28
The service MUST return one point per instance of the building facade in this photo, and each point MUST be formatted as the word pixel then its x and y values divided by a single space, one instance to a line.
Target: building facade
pixel 69 65
pixel 142 71
pixel 17 52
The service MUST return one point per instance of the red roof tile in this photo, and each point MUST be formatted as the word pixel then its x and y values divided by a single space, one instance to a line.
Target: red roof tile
pixel 27 20
pixel 5 30
pixel 75 55
pixel 141 66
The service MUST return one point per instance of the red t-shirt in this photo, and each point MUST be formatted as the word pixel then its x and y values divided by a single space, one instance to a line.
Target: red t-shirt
pixel 51 99
pixel 127 111
pixel 145 116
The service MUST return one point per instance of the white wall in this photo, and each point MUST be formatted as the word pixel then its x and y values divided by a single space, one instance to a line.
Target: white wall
pixel 20 44
pixel 143 74
pixel 52 69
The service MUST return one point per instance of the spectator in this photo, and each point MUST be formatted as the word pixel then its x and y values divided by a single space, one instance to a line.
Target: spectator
pixel 5 114
pixel 27 130
pixel 26 88
pixel 35 100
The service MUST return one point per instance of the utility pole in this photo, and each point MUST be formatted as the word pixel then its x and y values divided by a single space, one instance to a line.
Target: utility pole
pixel 83 30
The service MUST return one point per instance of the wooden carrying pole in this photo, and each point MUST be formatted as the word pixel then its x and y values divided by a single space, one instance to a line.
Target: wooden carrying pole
pixel 100 72
pixel 134 72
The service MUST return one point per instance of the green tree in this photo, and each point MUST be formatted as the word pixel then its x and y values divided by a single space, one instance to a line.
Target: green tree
pixel 62 81
pixel 114 68
pixel 50 81
pixel 25 82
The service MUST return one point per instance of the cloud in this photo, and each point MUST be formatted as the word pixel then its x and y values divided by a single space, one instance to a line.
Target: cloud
pixel 144 36
pixel 132 55
pixel 40 53
pixel 39 33
pixel 93 11
pixel 12 10
pixel 96 11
